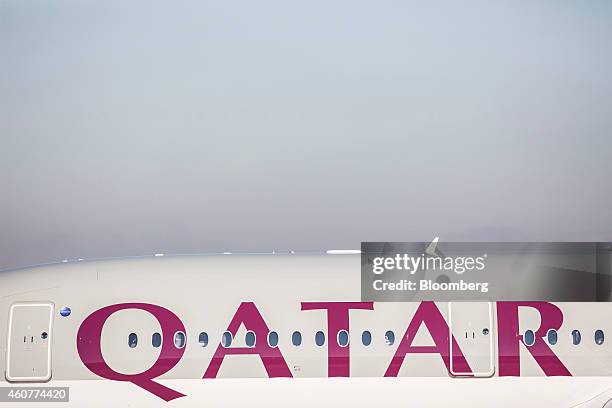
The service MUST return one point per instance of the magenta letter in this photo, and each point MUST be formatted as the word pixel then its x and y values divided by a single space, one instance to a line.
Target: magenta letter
pixel 90 352
pixel 271 357
pixel 338 358
pixel 429 314
pixel 509 338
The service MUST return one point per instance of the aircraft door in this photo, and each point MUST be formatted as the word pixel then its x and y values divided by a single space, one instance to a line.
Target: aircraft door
pixel 471 323
pixel 29 342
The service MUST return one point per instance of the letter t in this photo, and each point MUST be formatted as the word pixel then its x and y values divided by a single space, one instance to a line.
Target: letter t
pixel 338 357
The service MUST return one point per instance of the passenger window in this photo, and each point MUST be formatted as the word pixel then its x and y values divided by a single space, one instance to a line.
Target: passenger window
pixel 366 338
pixel 529 338
pixel 250 339
pixel 203 339
pixel 320 338
pixel 552 337
pixel 179 339
pixel 296 338
pixel 226 339
pixel 576 337
pixel 273 339
pixel 156 340
pixel 132 340
pixel 389 338
pixel 599 337
pixel 343 338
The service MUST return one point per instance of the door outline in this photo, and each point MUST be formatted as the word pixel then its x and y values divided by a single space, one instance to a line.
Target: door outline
pixel 492 332
pixel 8 376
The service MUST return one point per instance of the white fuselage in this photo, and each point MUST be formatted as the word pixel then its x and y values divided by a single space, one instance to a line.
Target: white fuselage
pixel 171 330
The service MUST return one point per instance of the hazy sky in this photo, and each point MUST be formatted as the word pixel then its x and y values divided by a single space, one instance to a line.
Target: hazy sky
pixel 131 128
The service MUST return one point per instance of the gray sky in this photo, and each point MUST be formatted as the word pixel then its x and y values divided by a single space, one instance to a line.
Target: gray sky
pixel 131 128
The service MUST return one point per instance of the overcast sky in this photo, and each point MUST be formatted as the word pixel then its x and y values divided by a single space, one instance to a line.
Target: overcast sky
pixel 131 128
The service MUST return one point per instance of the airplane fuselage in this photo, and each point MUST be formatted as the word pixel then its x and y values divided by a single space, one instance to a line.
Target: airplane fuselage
pixel 144 321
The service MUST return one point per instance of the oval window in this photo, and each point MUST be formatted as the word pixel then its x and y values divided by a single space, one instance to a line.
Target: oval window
pixel 552 337
pixel 156 340
pixel 576 337
pixel 343 338
pixel 250 339
pixel 296 338
pixel 203 339
pixel 599 337
pixel 366 338
pixel 273 339
pixel 529 338
pixel 389 338
pixel 319 338
pixel 226 339
pixel 132 340
pixel 179 339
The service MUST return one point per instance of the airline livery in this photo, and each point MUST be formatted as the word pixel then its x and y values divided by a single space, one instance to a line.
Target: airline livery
pixel 191 330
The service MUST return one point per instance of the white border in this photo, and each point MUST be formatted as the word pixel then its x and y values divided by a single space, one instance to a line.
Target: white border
pixel 268 337
pixel 46 378
pixel 534 338
pixel 548 334
pixel 491 346
pixel 254 335
pixel 231 339
pixel 348 336
pixel 174 339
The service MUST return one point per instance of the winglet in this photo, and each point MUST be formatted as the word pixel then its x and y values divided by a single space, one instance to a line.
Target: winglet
pixel 431 249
